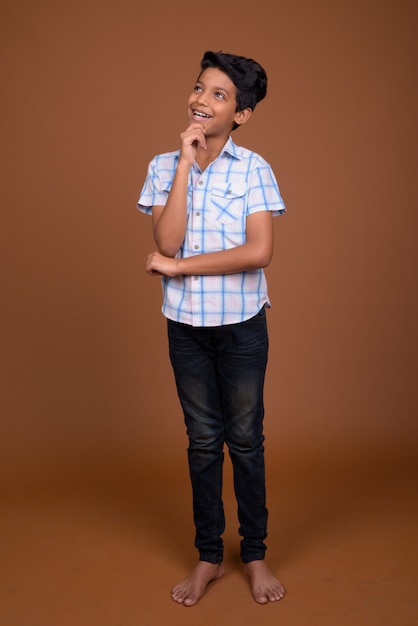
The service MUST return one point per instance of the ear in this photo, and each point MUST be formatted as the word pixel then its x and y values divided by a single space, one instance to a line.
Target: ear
pixel 242 116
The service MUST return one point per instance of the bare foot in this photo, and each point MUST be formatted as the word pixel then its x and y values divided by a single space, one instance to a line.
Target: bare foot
pixel 264 585
pixel 190 590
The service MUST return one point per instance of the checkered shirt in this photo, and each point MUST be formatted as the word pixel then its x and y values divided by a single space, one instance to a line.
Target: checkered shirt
pixel 236 184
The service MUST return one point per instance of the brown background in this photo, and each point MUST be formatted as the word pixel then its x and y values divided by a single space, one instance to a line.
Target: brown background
pixel 95 501
pixel 90 92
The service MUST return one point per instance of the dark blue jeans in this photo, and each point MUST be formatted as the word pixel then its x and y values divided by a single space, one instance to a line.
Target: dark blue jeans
pixel 219 373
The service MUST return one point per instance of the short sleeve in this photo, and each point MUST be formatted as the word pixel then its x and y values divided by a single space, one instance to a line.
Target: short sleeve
pixel 154 192
pixel 263 192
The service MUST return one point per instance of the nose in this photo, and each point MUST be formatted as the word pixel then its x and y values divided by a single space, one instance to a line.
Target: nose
pixel 201 98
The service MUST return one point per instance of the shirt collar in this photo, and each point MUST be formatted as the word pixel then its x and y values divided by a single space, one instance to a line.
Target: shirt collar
pixel 231 148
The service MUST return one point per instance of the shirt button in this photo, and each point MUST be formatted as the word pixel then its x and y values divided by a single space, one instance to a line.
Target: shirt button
pixel 197 213
pixel 195 277
pixel 196 246
pixel 200 182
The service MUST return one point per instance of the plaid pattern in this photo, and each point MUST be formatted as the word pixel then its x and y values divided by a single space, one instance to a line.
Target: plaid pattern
pixel 238 183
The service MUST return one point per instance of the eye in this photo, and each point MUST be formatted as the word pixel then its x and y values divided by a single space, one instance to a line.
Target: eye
pixel 197 88
pixel 220 95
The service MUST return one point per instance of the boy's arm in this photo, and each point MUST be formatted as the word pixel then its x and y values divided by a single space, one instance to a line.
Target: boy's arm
pixel 255 253
pixel 169 221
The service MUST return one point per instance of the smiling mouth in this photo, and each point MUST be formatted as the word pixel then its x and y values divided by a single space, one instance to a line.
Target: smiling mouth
pixel 200 115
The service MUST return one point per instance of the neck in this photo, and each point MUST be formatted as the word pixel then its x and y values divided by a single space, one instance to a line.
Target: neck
pixel 214 146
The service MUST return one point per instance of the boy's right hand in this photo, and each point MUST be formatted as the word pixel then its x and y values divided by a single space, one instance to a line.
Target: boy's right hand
pixel 192 139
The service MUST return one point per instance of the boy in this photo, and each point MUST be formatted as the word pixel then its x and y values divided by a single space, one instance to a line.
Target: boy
pixel 212 204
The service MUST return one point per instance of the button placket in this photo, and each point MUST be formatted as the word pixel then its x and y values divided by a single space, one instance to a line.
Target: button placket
pixel 196 243
pixel 198 213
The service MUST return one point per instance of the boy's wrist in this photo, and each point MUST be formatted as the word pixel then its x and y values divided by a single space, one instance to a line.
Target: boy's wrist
pixel 184 164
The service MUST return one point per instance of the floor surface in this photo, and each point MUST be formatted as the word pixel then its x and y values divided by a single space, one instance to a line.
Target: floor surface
pixel 105 547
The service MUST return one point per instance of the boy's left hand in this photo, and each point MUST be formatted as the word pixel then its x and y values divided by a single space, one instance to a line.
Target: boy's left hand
pixel 158 264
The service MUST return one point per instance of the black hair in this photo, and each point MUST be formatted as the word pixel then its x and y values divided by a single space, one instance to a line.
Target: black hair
pixel 248 76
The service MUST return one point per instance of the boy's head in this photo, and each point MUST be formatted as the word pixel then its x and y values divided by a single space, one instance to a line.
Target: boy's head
pixel 248 76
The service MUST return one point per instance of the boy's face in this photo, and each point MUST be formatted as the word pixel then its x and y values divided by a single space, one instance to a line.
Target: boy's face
pixel 213 103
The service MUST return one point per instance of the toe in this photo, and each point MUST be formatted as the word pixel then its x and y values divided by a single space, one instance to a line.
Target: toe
pixel 276 595
pixel 261 599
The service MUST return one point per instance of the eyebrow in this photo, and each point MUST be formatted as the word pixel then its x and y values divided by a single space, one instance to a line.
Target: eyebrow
pixel 201 82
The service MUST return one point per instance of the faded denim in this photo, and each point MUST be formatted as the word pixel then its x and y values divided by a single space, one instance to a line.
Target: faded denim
pixel 219 373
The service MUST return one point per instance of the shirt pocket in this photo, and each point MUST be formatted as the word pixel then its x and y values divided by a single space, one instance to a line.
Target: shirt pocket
pixel 228 200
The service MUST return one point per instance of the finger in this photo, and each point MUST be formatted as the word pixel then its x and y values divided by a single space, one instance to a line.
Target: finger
pixel 194 133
